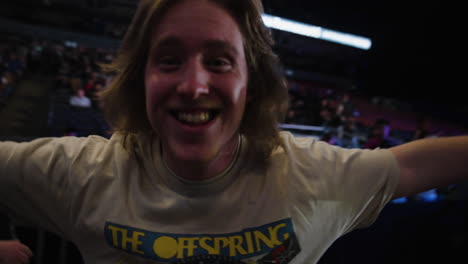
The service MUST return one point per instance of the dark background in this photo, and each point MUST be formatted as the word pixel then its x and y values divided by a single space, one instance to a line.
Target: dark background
pixel 416 52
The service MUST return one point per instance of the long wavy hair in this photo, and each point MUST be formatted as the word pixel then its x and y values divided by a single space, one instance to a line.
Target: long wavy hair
pixel 124 99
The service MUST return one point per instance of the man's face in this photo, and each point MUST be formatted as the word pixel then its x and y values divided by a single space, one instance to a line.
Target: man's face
pixel 196 82
pixel 80 93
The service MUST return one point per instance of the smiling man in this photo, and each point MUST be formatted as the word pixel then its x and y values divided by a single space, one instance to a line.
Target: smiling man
pixel 196 170
pixel 196 88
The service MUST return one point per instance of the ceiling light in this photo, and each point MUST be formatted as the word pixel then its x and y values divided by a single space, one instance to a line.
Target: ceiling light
pixel 316 32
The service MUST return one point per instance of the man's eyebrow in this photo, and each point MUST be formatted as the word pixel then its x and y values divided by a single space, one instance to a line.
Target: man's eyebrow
pixel 167 43
pixel 172 41
pixel 220 45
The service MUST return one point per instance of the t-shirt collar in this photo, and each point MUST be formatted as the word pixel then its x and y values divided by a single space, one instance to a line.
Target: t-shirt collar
pixel 197 187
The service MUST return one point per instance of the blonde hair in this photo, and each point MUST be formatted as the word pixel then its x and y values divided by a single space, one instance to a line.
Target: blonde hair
pixel 124 99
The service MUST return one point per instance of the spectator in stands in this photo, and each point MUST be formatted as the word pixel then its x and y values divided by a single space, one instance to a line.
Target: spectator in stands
pixel 89 87
pixel 7 84
pixel 296 116
pixel 196 169
pixel 3 83
pixel 15 65
pixel 75 83
pixel 345 108
pixel 331 137
pixel 70 132
pixel 379 136
pixel 98 89
pixel 347 133
pixel 422 129
pixel 329 118
pixel 80 99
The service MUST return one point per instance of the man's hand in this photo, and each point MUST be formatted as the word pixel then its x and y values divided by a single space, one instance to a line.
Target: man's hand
pixel 14 252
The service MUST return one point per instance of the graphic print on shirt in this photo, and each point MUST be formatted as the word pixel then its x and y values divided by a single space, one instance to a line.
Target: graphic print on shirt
pixel 271 243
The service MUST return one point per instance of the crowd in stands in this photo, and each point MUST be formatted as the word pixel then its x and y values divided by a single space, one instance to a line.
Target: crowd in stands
pixel 338 116
pixel 75 104
pixel 99 20
pixel 353 120
pixel 12 67
pixel 76 75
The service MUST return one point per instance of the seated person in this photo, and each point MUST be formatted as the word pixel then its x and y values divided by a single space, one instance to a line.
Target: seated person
pixel 80 99
pixel 380 135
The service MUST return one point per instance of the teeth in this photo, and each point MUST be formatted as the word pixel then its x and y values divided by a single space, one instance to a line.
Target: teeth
pixel 201 117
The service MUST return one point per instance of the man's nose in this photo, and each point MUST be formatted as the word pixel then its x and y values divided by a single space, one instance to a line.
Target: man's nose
pixel 194 81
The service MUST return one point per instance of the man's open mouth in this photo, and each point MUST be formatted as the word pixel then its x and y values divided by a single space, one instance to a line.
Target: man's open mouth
pixel 194 118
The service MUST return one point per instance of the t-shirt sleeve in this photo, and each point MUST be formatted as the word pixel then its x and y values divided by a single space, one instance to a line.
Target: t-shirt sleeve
pixel 370 178
pixel 353 185
pixel 35 181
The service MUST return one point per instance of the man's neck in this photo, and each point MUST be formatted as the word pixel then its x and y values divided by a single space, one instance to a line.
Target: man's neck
pixel 198 171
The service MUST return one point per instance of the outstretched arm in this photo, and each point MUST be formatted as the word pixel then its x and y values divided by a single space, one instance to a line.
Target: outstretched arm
pixel 430 163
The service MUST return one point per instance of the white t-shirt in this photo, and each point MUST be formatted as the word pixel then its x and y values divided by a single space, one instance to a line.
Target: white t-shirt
pixel 120 206
pixel 82 101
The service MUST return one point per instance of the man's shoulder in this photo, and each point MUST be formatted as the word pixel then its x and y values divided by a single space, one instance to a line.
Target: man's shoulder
pixel 309 146
pixel 291 143
pixel 289 138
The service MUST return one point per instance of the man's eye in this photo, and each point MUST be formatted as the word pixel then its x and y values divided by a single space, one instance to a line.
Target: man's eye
pixel 219 64
pixel 169 62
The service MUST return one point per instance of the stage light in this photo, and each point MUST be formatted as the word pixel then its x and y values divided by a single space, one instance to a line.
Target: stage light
pixel 316 32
